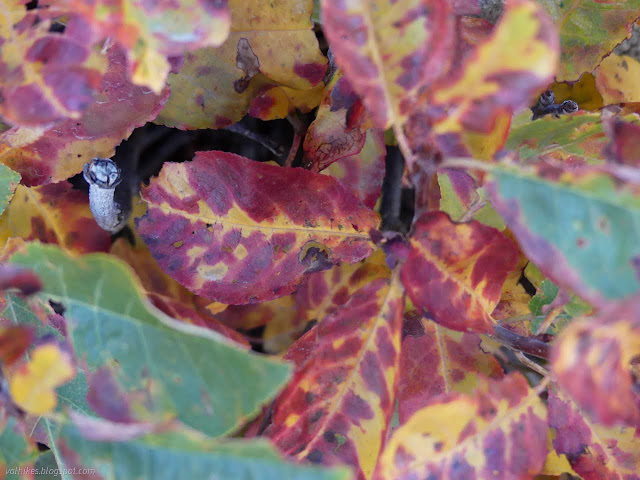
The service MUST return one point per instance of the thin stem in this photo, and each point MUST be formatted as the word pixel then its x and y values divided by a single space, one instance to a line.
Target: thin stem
pixel 473 209
pixel 465 162
pixel 295 146
pixel 274 147
pixel 531 364
pixel 551 317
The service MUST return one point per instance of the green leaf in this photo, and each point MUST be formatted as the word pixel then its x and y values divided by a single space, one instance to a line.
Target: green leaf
pixel 15 450
pixel 180 455
pixel 581 227
pixel 9 180
pixel 589 29
pixel 47 467
pixel 185 371
pixel 546 295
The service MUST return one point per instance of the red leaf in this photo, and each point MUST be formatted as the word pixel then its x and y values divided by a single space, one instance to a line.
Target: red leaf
pixel 238 231
pixel 345 387
pixel 456 271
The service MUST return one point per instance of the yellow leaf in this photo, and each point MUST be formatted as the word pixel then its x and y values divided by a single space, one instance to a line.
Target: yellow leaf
pixel 617 79
pixel 33 386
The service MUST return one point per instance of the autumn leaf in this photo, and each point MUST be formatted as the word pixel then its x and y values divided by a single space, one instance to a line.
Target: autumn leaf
pixel 9 180
pixel 582 91
pixel 579 135
pixel 624 146
pixel 33 385
pixel 594 359
pixel 594 451
pixel 46 75
pixel 337 408
pixel 591 254
pixel 224 227
pixel 14 342
pixel 273 102
pixel 16 448
pixel 335 133
pixel 152 31
pixel 589 30
pixel 55 214
pixel 165 293
pixel 162 361
pixel 501 76
pixel 456 271
pixel 50 154
pixel 501 428
pixel 389 51
pixel 435 360
pixel 615 79
pixel 363 172
pixel 277 47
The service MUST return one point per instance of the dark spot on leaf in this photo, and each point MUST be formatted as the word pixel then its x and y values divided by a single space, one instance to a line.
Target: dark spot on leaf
pixel 315 456
pixel 315 416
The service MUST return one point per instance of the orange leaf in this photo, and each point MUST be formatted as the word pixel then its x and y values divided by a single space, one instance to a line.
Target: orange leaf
pixel 33 386
pixel 498 432
pixel 338 406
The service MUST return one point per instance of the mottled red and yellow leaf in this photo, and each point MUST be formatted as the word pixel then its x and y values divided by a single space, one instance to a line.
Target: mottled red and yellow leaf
pixel 594 361
pixel 238 231
pixel 435 360
pixel 51 154
pixel 152 31
pixel 33 385
pixel 363 172
pixel 498 432
pixel 336 131
pixel 270 44
pixel 594 451
pixel 45 76
pixel 456 271
pixel 55 214
pixel 339 404
pixel 616 79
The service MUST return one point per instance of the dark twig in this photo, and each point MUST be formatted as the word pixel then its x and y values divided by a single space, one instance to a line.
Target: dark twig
pixel 299 131
pixel 391 205
pixel 528 345
pixel 275 148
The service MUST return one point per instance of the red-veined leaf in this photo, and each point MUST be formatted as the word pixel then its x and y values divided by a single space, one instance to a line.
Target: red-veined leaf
pixel 594 362
pixel 456 271
pixel 238 231
pixel 340 402
pixel 498 432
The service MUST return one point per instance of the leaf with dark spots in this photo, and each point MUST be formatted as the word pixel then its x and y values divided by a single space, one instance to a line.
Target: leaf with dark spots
pixel 252 252
pixel 435 360
pixel 501 427
pixel 271 53
pixel 456 271
pixel 349 377
pixel 593 360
